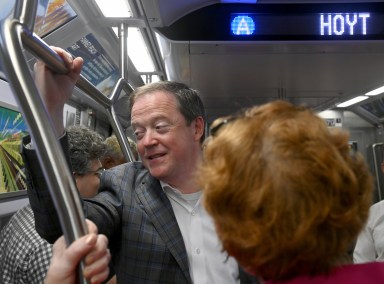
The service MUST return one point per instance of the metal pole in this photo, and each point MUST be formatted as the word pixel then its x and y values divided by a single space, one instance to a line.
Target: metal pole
pixel 376 169
pixel 50 155
pixel 120 135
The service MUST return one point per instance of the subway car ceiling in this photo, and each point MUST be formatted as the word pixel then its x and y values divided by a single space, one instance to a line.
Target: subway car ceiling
pixel 290 61
pixel 286 60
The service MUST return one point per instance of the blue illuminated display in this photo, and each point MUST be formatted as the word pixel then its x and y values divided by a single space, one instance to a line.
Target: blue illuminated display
pixel 242 25
pixel 341 24
pixel 295 25
pixel 283 22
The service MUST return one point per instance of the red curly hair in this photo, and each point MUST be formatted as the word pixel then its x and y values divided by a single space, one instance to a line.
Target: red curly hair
pixel 286 193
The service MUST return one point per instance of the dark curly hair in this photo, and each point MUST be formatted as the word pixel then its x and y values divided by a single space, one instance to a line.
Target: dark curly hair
pixel 85 145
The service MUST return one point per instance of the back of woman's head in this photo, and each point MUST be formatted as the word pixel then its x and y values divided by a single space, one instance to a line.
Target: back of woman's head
pixel 287 195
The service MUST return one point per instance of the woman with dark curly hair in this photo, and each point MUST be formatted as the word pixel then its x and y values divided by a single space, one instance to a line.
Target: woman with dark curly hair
pixel 287 196
pixel 86 149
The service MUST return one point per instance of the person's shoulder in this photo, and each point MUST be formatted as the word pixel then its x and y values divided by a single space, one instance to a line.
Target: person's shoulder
pixel 37 259
pixel 24 212
pixel 139 173
pixel 377 207
pixel 376 215
pixel 22 222
pixel 371 272
pixel 21 229
pixel 20 243
pixel 378 204
pixel 130 171
pixel 136 167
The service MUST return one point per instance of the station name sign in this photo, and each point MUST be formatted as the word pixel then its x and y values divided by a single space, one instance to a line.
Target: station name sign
pixel 282 22
pixel 343 25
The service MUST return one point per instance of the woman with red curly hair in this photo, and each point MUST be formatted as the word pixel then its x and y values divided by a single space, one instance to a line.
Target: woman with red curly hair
pixel 287 196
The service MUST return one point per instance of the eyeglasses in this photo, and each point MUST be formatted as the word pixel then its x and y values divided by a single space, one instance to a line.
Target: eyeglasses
pixel 213 131
pixel 98 172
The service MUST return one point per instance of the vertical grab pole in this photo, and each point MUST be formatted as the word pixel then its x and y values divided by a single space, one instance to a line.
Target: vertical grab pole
pixel 115 123
pixel 120 84
pixel 51 158
pixel 377 172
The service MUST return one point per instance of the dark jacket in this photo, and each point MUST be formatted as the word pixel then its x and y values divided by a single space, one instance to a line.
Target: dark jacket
pixel 135 214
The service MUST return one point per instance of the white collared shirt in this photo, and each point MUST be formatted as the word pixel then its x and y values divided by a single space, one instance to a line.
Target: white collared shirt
pixel 207 262
pixel 370 243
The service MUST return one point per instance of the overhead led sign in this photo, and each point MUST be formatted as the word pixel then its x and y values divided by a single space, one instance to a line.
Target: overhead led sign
pixel 283 22
pixel 319 25
pixel 340 24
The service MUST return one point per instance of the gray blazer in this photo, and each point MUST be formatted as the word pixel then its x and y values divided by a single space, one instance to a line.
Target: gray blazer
pixel 136 215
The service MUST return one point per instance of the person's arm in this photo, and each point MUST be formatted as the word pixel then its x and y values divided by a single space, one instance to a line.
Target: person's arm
pixel 38 258
pixel 47 222
pixel 55 90
pixel 92 248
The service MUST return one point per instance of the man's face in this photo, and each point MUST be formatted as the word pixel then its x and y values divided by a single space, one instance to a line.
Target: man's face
pixel 89 182
pixel 167 146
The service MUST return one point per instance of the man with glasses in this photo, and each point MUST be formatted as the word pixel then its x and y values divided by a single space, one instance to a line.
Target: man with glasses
pixel 24 255
pixel 150 210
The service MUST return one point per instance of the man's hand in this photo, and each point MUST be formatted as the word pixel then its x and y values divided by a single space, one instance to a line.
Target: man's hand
pixel 56 89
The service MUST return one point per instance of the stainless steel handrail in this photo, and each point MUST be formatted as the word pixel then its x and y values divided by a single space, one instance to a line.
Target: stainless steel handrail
pixel 376 168
pixel 120 85
pixel 50 155
pixel 49 151
pixel 117 128
pixel 150 35
pixel 41 50
pixel 14 33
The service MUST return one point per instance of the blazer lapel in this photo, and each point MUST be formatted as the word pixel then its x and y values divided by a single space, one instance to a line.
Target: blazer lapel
pixel 159 209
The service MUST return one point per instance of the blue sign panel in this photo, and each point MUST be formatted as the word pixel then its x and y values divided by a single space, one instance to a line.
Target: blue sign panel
pixel 331 25
pixel 283 22
pixel 242 25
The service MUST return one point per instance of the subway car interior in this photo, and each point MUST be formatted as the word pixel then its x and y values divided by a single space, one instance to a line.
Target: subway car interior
pixel 321 54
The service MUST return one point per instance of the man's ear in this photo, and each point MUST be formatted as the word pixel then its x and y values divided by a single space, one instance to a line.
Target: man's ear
pixel 199 127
